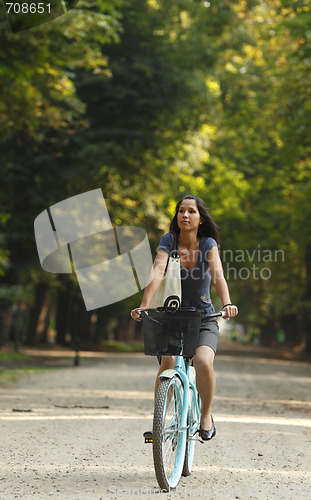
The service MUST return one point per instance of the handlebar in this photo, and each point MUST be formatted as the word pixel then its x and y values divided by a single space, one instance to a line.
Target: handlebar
pixel 174 309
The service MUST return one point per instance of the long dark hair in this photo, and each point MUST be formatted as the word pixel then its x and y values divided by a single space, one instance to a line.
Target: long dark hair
pixel 208 226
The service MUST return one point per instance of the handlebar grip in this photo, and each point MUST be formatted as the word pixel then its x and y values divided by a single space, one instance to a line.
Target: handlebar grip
pixel 217 314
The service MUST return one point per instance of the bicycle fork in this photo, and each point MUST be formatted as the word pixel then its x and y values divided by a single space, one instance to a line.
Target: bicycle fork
pixel 193 406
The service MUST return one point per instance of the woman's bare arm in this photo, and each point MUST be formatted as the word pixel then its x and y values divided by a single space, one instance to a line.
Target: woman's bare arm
pixel 154 281
pixel 217 275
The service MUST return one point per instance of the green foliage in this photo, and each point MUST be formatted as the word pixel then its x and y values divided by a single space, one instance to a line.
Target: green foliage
pixel 152 100
pixel 40 112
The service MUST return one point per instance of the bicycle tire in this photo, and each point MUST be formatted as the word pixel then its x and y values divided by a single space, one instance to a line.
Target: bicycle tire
pixel 169 442
pixel 193 422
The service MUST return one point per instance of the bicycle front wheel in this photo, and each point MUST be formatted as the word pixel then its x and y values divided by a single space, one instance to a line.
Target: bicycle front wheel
pixel 169 440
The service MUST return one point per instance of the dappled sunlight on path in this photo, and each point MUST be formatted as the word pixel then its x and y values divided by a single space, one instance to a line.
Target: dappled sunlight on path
pixel 81 430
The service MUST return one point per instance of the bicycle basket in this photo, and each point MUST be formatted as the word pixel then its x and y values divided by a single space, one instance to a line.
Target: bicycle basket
pixel 163 331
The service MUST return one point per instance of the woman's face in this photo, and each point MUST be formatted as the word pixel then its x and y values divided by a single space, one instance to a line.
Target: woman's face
pixel 188 216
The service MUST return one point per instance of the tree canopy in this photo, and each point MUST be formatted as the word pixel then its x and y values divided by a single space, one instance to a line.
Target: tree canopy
pixel 151 100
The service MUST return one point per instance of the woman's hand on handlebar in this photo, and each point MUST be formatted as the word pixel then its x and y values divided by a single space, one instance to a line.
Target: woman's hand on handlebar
pixel 135 313
pixel 230 311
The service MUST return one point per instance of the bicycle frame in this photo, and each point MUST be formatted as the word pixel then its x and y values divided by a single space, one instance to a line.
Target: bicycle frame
pixel 177 412
pixel 183 370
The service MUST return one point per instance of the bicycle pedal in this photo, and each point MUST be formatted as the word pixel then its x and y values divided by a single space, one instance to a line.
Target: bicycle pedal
pixel 148 437
pixel 198 439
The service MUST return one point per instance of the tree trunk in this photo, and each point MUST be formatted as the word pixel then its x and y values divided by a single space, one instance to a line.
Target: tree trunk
pixel 92 328
pixel 62 314
pixel 102 332
pixel 267 333
pixel 121 332
pixel 80 324
pixel 39 315
pixel 6 319
pixel 307 313
pixel 293 334
pixel 139 334
pixel 308 336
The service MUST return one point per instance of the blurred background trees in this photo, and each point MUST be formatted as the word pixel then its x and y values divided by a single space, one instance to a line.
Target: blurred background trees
pixel 150 100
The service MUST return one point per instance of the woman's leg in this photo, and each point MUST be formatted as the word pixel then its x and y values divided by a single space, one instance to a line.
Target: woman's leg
pixel 205 380
pixel 167 362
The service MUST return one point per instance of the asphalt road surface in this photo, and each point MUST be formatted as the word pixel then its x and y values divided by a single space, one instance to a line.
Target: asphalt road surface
pixel 76 433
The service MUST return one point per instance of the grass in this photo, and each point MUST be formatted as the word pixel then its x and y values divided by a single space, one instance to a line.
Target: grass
pixel 14 365
pixel 115 346
pixel 14 374
pixel 14 357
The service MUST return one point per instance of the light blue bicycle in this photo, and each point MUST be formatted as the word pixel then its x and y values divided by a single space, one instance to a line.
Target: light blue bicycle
pixel 176 421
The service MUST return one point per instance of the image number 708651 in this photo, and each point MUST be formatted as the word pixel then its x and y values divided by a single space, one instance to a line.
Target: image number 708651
pixel 28 8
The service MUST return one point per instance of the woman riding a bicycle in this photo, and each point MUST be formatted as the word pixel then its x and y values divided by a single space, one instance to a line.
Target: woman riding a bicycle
pixel 200 263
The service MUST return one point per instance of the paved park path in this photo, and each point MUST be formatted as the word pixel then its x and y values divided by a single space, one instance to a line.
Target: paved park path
pixel 76 432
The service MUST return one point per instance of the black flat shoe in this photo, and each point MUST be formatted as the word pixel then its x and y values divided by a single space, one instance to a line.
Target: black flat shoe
pixel 207 435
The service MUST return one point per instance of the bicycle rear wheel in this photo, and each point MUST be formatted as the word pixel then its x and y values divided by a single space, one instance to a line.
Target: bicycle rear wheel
pixel 169 442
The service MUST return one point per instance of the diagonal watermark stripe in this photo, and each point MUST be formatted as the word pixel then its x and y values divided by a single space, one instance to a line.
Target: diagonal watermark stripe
pixel 81 227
